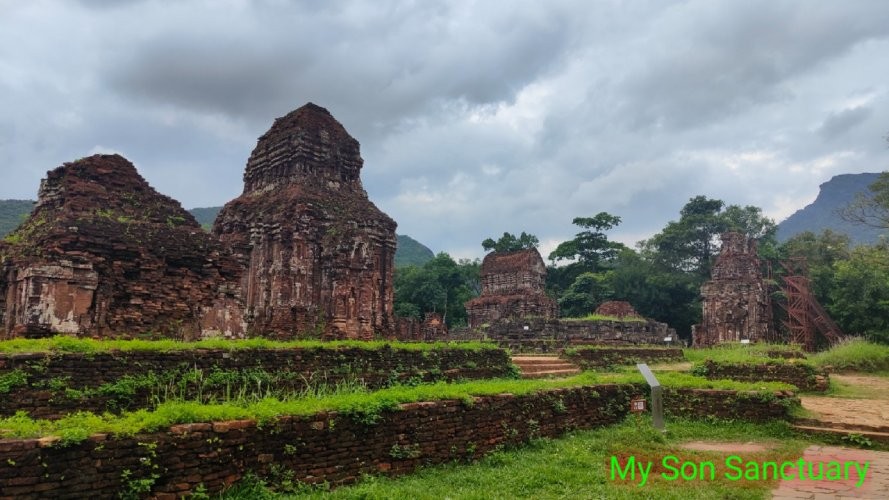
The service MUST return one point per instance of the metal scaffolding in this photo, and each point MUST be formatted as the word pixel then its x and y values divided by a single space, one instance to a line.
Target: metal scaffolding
pixel 806 318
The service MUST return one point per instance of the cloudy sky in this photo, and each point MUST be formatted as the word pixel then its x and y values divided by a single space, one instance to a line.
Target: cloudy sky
pixel 474 117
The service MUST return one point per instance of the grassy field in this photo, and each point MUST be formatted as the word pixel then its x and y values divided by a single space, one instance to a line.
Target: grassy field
pixel 855 355
pixel 62 343
pixel 575 466
pixel 350 399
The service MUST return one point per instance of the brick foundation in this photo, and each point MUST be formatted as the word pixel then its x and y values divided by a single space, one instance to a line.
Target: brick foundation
pixel 46 393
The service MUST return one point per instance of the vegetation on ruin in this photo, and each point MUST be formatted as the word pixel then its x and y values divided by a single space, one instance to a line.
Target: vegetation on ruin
pixel 744 353
pixel 61 343
pixel 350 399
pixel 572 466
pixel 602 317
pixel 854 355
pixel 440 285
pixel 511 243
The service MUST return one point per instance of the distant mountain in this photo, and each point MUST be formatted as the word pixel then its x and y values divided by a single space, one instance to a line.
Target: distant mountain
pixel 411 252
pixel 14 212
pixel 822 213
pixel 205 216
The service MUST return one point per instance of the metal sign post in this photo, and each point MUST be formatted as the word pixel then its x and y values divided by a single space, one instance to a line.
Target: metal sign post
pixel 657 396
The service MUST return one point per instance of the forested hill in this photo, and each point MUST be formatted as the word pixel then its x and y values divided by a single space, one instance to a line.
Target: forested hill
pixel 835 194
pixel 13 213
pixel 410 251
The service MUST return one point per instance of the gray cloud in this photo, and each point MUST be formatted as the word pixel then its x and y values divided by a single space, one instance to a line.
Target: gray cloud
pixel 837 123
pixel 474 117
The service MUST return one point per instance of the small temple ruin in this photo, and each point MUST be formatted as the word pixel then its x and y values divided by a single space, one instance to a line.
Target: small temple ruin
pixel 512 287
pixel 617 309
pixel 302 251
pixel 736 300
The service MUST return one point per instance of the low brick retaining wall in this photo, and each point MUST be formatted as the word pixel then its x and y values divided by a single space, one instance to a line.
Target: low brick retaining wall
pixel 802 375
pixel 551 335
pixel 724 404
pixel 51 385
pixel 329 447
pixel 333 447
pixel 603 357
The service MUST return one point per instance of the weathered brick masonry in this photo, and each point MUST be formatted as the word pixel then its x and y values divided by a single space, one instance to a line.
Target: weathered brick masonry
pixel 724 404
pixel 49 375
pixel 330 447
pixel 334 447
pixel 547 335
pixel 802 375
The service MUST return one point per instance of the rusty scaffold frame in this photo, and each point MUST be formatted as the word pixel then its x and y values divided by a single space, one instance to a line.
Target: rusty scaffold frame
pixel 806 318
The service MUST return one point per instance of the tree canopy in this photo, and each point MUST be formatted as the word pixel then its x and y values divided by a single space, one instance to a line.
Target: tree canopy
pixel 511 243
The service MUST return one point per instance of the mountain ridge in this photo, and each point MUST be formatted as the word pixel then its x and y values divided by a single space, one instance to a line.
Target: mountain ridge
pixel 822 213
pixel 409 251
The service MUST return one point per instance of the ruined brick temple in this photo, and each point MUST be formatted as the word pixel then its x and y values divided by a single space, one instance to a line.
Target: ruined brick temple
pixel 736 300
pixel 318 253
pixel 302 251
pixel 512 287
pixel 103 253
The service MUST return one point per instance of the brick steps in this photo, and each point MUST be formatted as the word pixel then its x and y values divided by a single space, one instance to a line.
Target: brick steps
pixel 882 437
pixel 544 366
pixel 844 426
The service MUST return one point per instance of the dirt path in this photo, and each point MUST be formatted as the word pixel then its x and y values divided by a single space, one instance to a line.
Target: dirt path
pixel 849 413
pixel 875 484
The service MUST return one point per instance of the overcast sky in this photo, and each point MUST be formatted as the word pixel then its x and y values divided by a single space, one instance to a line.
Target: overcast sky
pixel 474 118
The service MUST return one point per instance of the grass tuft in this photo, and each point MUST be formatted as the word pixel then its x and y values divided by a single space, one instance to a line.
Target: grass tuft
pixel 61 343
pixel 854 354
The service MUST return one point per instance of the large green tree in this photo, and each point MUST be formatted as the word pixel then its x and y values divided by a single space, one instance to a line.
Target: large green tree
pixel 440 285
pixel 691 243
pixel 860 297
pixel 580 284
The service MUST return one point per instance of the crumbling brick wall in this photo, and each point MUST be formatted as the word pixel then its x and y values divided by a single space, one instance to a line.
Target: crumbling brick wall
pixel 736 302
pixel 512 287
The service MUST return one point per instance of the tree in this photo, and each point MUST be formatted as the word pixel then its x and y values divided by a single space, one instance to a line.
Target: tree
pixel 510 243
pixel 870 210
pixel 591 246
pixel 440 285
pixel 579 286
pixel 667 296
pixel 860 302
pixel 691 243
pixel 583 295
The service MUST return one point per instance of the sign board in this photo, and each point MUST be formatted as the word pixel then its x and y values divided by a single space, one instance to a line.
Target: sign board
pixel 637 405
pixel 745 341
pixel 657 396
pixel 526 327
pixel 668 339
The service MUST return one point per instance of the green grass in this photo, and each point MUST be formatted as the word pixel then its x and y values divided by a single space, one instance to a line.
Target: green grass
pixel 684 380
pixel 854 355
pixel 739 353
pixel 353 400
pixel 602 317
pixel 84 345
pixel 841 389
pixel 575 466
